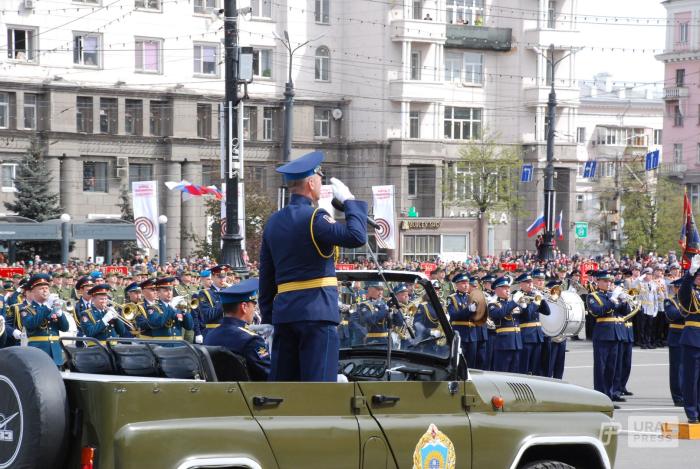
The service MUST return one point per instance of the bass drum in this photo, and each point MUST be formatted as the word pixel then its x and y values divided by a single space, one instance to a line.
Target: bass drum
pixel 567 316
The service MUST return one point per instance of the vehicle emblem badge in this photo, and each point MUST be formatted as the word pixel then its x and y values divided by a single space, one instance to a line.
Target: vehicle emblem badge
pixel 434 451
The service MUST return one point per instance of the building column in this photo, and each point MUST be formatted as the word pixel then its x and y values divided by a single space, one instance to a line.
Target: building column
pixel 54 166
pixel 191 171
pixel 70 183
pixel 173 210
pixel 405 109
pixel 406 60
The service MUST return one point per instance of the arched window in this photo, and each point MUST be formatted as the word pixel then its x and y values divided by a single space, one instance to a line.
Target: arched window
pixel 323 63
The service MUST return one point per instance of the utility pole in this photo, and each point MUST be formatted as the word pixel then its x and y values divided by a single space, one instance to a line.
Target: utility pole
pixel 231 252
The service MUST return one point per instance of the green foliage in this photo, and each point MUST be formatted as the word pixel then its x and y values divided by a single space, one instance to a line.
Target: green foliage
pixel 127 249
pixel 34 200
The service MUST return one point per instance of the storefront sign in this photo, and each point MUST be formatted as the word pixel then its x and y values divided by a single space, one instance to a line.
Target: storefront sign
pixel 344 266
pixel 8 272
pixel 509 266
pixel 117 269
pixel 420 225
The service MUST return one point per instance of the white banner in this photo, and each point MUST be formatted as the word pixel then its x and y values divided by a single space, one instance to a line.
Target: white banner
pixel 326 198
pixel 145 196
pixel 384 216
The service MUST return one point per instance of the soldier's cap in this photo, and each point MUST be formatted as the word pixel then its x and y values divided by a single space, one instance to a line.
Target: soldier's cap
pixel 523 278
pixel 575 272
pixel 648 270
pixel 205 274
pixel 101 289
pixel 217 269
pixel 562 268
pixel 619 282
pixel 501 282
pixel 304 166
pixel 133 286
pixel 17 276
pixel 374 284
pixel 95 274
pixel 165 282
pixel 438 269
pixel 488 278
pixel 538 273
pixel 603 275
pixel 436 284
pixel 553 283
pixel 148 283
pixel 23 283
pixel 38 280
pixel 460 277
pixel 474 281
pixel 677 282
pixel 242 292
pixel 84 282
pixel 400 287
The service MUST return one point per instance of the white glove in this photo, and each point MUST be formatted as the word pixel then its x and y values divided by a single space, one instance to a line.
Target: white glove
pixel 623 296
pixel 694 264
pixel 616 293
pixel 472 307
pixel 199 339
pixel 517 296
pixel 515 311
pixel 109 315
pixel 17 334
pixel 341 191
pixel 435 333
pixel 522 305
pixel 58 312
pixel 2 325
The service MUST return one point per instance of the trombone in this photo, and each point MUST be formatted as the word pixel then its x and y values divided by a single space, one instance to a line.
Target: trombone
pixel 127 315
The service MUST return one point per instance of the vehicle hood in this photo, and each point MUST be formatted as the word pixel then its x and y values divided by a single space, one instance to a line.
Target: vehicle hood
pixel 536 394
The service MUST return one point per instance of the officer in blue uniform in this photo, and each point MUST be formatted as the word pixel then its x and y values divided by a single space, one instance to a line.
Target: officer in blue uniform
pixel 11 313
pixel 167 322
pixel 607 333
pixel 150 299
pixel 508 343
pixel 460 312
pixel 689 300
pixel 531 328
pixel 486 282
pixel 238 302
pixel 202 294
pixel 624 358
pixel 16 297
pixel 100 322
pixel 557 349
pixel 41 323
pixel 210 311
pixel 298 287
pixel 676 324
pixel 83 286
pixel 376 316
pixel 429 334
pixel 482 333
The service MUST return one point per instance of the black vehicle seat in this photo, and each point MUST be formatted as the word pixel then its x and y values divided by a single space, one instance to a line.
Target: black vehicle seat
pixel 135 359
pixel 227 365
pixel 95 359
pixel 178 362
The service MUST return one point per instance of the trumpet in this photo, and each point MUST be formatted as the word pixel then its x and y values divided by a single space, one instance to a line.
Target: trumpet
pixel 181 303
pixel 553 293
pixel 127 315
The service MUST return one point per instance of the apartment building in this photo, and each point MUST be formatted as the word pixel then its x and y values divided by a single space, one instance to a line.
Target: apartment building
pixel 119 92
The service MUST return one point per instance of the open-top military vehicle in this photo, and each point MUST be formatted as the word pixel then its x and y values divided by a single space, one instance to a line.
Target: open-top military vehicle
pixel 134 403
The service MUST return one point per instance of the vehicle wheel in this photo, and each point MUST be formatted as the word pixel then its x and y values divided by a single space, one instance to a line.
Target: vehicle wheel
pixel 547 465
pixel 33 410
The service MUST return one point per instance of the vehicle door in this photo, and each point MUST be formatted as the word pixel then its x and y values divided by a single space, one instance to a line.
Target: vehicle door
pixel 308 425
pixel 425 422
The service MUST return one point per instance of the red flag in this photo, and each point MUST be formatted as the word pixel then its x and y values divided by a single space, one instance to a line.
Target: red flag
pixel 690 239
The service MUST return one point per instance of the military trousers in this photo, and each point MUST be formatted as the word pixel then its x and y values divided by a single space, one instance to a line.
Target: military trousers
pixel 691 381
pixel 482 351
pixel 305 351
pixel 624 367
pixel 506 360
pixel 557 358
pixel 675 373
pixel 531 359
pixel 605 365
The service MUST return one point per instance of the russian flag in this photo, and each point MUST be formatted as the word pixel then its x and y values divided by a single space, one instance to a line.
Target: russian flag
pixel 536 226
pixel 558 226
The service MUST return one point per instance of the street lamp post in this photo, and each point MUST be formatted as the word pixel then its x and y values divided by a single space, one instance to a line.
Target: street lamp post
pixel 162 226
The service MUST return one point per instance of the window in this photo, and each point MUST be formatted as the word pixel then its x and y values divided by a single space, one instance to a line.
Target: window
pixel 30 110
pixel 415 65
pixel 262 63
pixel 148 56
pixel 4 110
pixel 322 8
pixel 454 243
pixel 698 154
pixel 108 115
pixel 580 198
pixel 147 5
pixel 322 123
pixel 94 176
pixel 677 116
pixel 83 114
pixel 133 117
pixel 552 14
pixel 462 123
pixel 414 124
pixel 256 175
pixel 211 174
pixel 323 63
pixel 579 170
pixel 473 68
pixel 204 6
pixel 694 190
pixel 683 33
pixel 20 44
pixel 86 49
pixel 159 118
pixel 250 123
pixel 8 171
pixel 678 153
pixel 413 181
pixel 621 136
pixel 268 127
pixel 680 77
pixel 204 120
pixel 580 135
pixel 417 9
pixel 465 11
pixel 262 8
pixel 453 66
pixel 657 136
pixel 421 247
pixel 140 172
pixel 206 59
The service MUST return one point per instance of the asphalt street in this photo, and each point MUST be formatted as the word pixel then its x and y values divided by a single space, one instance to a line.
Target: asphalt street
pixel 639 444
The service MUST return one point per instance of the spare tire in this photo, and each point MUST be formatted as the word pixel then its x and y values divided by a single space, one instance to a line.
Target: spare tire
pixel 33 410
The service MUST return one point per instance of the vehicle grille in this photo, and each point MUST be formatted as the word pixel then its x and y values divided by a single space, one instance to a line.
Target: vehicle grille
pixel 523 392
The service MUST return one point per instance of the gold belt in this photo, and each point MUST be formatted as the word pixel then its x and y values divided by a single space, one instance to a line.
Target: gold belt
pixel 377 335
pixel 530 324
pixel 45 338
pixel 608 320
pixel 175 337
pixel 463 323
pixel 212 326
pixel 343 323
pixel 676 326
pixel 306 284
pixel 692 323
pixel 500 330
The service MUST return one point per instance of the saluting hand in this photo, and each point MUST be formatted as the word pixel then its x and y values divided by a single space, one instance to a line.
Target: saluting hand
pixel 341 191
pixel 694 264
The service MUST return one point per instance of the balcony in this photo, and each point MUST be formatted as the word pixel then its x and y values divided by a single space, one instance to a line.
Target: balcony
pixel 418 150
pixel 674 93
pixel 463 36
pixel 674 170
pixel 418 31
pixel 538 95
pixel 561 38
pixel 416 90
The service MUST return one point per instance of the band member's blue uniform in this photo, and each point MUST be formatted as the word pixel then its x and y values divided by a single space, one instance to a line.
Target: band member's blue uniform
pixel 461 314
pixel 92 321
pixel 508 342
pixel 43 325
pixel 689 300
pixel 676 324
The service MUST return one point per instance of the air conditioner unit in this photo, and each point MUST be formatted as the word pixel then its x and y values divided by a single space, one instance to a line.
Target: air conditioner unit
pixel 29 4
pixel 122 173
pixel 122 161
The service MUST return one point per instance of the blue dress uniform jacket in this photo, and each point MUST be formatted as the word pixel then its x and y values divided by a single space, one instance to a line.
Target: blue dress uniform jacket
pixel 164 321
pixel 81 306
pixel 533 339
pixel 460 318
pixel 676 323
pixel 424 322
pixel 42 329
pixel 288 254
pixel 507 342
pixel 210 309
pixel 92 325
pixel 689 300
pixel 233 335
pixel 141 320
pixel 12 322
pixel 608 325
pixel 377 318
pixel 14 299
pixel 675 320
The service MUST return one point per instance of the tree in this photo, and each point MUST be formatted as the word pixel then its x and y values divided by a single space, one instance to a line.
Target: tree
pixel 484 179
pixel 127 249
pixel 34 200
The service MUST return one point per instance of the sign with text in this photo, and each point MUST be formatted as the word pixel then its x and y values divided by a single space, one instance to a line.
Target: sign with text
pixel 8 272
pixel 344 266
pixel 581 229
pixel 115 269
pixel 428 267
